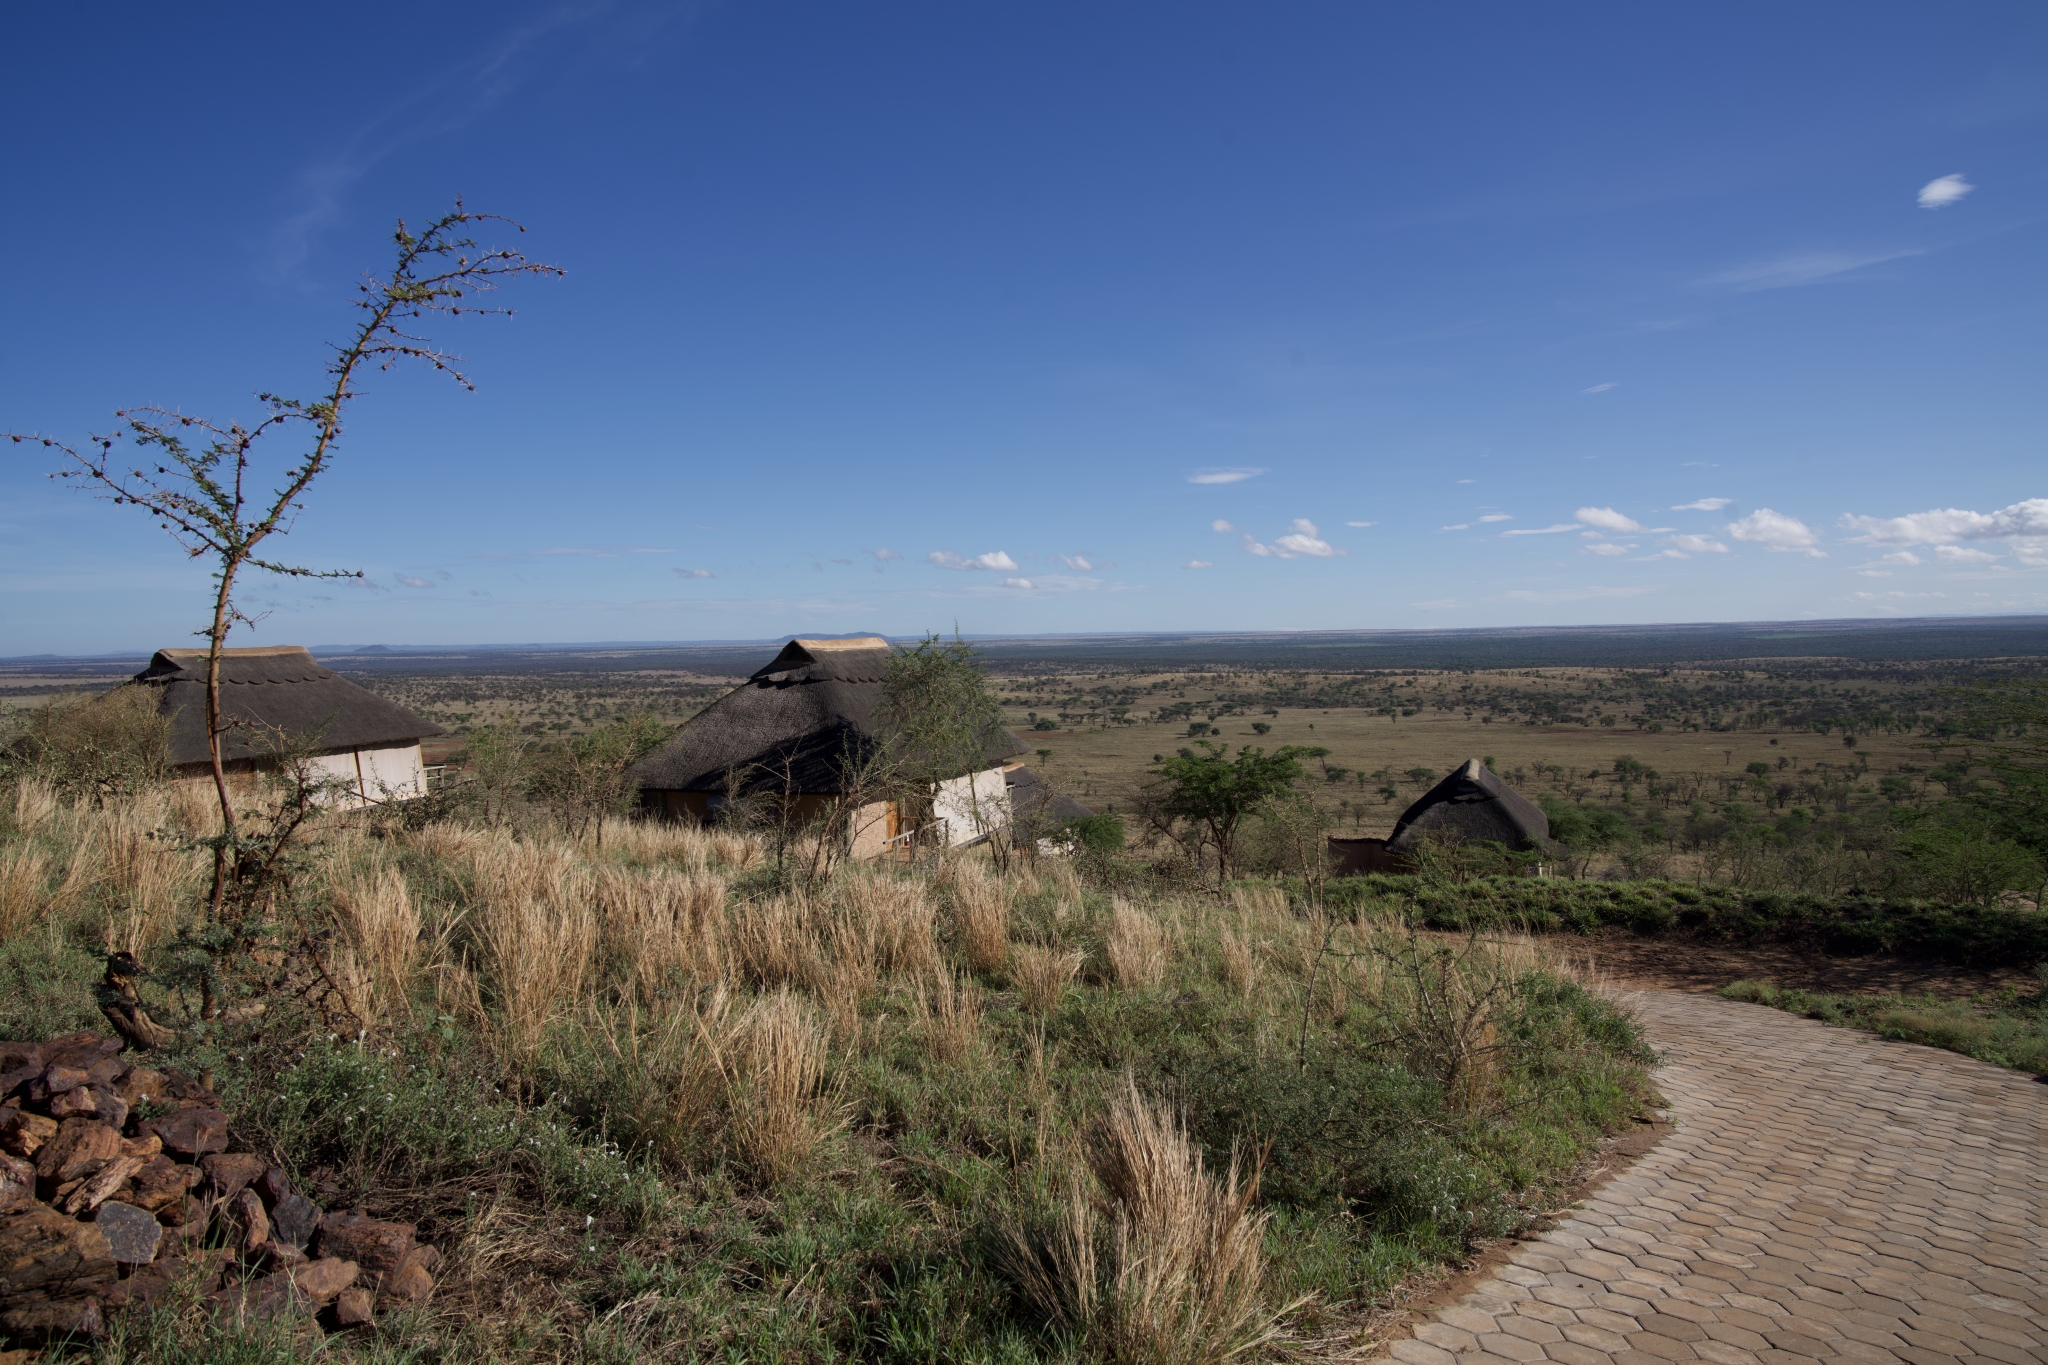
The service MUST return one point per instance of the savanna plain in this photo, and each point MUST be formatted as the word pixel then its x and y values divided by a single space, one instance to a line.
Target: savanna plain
pixel 659 1092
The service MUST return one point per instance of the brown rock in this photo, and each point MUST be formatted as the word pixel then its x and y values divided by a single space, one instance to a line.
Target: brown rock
pixel 142 1146
pixel 160 1183
pixel 100 1187
pixel 109 1108
pixel 17 1079
pixel 80 1148
pixel 377 1246
pixel 24 1133
pixel 276 1255
pixel 42 1249
pixel 295 1220
pixel 17 1184
pixel 320 1281
pixel 250 1223
pixel 37 1318
pixel 353 1307
pixel 410 1283
pixel 132 1235
pixel 229 1173
pixel 79 1049
pixel 59 1079
pixel 103 1073
pixel 71 1104
pixel 191 1132
pixel 14 1056
pixel 274 1185
pixel 139 1083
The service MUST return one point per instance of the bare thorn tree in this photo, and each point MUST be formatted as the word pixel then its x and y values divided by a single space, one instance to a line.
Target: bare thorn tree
pixel 199 481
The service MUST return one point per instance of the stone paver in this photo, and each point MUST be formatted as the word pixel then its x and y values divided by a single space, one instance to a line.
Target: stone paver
pixel 1826 1196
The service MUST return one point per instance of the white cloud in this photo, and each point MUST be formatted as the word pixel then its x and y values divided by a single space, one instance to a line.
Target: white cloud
pixel 1597 388
pixel 1198 564
pixel 1699 545
pixel 1554 595
pixel 1018 583
pixel 1221 525
pixel 1607 519
pixel 1902 557
pixel 1893 596
pixel 1083 564
pixel 1942 191
pixel 1787 271
pixel 1468 481
pixel 1496 516
pixel 1608 548
pixel 883 555
pixel 1776 531
pixel 1223 475
pixel 994 559
pixel 1873 573
pixel 691 573
pixel 1542 530
pixel 411 582
pixel 1956 554
pixel 1360 525
pixel 1461 526
pixel 1303 540
pixel 2021 521
pixel 1703 505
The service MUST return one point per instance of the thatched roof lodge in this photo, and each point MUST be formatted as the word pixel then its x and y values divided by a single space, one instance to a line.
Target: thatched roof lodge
pixel 279 697
pixel 803 730
pixel 1472 805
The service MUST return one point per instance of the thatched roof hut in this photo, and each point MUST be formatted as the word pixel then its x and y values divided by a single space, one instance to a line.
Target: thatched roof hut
pixel 280 697
pixel 1472 805
pixel 804 725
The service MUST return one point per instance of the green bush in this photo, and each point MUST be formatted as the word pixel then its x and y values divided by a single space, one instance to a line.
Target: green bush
pixel 1851 924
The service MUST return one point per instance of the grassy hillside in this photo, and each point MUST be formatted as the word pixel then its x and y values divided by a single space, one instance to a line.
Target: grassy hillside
pixel 664 1099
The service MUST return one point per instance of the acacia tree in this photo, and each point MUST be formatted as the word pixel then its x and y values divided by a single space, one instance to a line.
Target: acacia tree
pixel 1215 793
pixel 199 480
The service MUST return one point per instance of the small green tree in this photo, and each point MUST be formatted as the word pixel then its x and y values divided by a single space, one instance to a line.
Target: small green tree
pixel 938 721
pixel 584 777
pixel 107 746
pixel 1215 792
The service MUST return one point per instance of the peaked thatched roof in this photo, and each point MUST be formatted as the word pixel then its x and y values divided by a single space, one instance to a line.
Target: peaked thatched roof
pixel 264 691
pixel 1473 804
pixel 801 723
pixel 1036 804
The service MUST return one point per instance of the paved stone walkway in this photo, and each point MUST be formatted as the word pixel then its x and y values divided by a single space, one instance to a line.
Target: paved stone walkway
pixel 1826 1196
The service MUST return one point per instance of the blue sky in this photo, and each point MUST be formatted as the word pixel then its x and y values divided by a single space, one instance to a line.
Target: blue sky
pixel 1056 317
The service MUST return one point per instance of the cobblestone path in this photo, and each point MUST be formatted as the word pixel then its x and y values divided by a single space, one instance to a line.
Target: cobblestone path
pixel 1826 1196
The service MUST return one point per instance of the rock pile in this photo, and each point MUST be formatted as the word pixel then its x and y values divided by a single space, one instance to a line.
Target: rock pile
pixel 116 1184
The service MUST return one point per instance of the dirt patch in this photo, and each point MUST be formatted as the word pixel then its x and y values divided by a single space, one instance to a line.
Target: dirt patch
pixel 1677 964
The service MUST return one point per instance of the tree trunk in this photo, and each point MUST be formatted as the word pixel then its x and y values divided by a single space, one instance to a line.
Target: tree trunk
pixel 216 642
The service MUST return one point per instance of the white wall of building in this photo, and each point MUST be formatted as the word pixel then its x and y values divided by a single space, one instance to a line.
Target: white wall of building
pixel 972 806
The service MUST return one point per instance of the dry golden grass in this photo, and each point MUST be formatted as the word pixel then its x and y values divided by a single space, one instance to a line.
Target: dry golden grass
pixel 23 872
pixel 981 924
pixel 537 934
pixel 774 1070
pixel 659 930
pixel 900 922
pixel 948 1017
pixel 380 928
pixel 1240 967
pixel 1043 972
pixel 1138 947
pixel 35 805
pixel 1183 1276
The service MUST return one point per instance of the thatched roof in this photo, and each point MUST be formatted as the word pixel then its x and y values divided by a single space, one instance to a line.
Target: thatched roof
pixel 1473 804
pixel 1036 805
pixel 803 722
pixel 264 691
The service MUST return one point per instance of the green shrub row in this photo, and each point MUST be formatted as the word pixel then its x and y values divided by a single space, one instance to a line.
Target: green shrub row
pixel 1848 924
